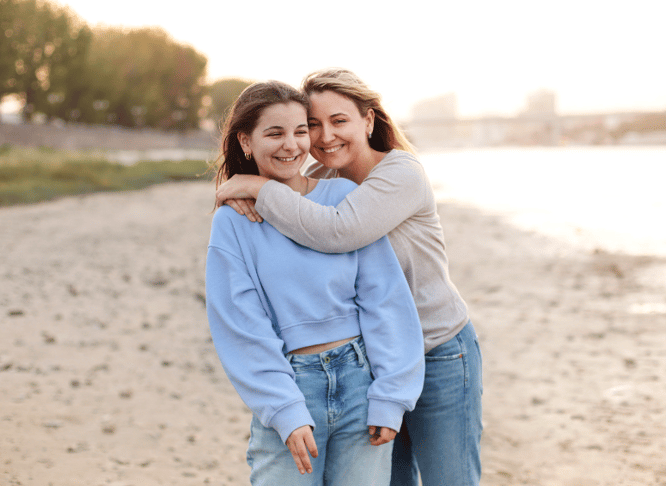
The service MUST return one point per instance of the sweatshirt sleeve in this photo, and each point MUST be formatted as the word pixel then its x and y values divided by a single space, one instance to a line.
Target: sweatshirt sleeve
pixel 248 347
pixel 392 192
pixel 392 335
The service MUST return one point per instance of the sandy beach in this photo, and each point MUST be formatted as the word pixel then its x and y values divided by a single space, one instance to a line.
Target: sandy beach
pixel 108 375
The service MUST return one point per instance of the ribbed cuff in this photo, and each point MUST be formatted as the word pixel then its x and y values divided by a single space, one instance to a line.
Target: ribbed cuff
pixel 384 413
pixel 290 418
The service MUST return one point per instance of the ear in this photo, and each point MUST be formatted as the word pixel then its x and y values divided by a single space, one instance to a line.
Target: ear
pixel 369 121
pixel 244 141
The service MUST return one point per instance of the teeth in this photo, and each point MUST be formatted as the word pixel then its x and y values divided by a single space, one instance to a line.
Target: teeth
pixel 286 159
pixel 331 150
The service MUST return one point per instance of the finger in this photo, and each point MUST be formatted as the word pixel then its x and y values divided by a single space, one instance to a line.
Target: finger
pixel 256 215
pixel 299 451
pixel 233 203
pixel 294 445
pixel 248 209
pixel 311 444
pixel 372 430
pixel 304 457
pixel 384 436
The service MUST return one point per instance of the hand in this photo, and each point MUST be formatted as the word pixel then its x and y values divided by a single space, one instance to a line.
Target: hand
pixel 381 435
pixel 240 186
pixel 245 207
pixel 300 442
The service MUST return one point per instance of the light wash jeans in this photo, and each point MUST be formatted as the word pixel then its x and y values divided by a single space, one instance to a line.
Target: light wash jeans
pixel 440 437
pixel 335 384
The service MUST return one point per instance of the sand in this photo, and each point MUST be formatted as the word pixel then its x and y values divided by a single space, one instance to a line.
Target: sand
pixel 108 375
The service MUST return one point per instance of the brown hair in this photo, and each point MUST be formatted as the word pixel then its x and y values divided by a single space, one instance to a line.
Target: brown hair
pixel 243 118
pixel 386 135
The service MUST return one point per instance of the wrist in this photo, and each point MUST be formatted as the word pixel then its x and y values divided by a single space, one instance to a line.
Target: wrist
pixel 255 184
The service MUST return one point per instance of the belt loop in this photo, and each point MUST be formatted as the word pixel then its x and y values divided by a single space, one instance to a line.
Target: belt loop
pixel 359 353
pixel 289 357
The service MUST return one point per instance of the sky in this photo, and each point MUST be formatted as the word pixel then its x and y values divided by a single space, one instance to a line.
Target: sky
pixel 597 55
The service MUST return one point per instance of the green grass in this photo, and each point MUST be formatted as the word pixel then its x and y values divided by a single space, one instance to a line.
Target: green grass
pixel 31 175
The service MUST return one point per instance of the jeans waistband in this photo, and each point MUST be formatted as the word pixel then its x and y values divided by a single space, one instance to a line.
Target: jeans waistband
pixel 353 350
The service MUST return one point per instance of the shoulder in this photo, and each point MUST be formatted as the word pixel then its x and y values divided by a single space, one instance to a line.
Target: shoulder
pixel 401 168
pixel 338 185
pixel 333 191
pixel 401 159
pixel 226 221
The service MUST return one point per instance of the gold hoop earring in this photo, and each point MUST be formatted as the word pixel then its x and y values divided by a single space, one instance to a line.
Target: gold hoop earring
pixel 248 156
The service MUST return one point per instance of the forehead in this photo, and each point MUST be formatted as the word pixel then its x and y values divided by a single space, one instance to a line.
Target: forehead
pixel 328 103
pixel 283 114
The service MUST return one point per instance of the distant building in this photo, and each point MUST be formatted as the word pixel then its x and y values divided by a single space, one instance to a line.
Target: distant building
pixel 431 126
pixel 541 102
pixel 444 106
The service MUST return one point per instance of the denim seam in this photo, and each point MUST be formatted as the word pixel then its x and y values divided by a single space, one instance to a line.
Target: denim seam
pixel 466 390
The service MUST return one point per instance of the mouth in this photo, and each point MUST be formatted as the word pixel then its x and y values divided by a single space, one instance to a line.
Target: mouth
pixel 330 150
pixel 288 159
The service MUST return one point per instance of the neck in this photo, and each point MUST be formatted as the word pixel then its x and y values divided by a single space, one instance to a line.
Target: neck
pixel 299 184
pixel 359 169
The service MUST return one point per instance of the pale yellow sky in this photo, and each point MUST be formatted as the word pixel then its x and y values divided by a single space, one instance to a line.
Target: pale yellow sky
pixel 598 55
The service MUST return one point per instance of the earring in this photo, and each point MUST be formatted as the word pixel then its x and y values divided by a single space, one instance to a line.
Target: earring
pixel 369 135
pixel 248 156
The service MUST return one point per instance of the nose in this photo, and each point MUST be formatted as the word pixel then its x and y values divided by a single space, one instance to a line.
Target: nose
pixel 326 133
pixel 290 143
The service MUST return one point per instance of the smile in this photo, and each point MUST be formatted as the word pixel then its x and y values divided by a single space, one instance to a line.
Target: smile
pixel 331 150
pixel 287 159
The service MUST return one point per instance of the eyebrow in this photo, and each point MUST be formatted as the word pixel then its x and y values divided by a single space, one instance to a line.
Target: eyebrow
pixel 342 113
pixel 278 127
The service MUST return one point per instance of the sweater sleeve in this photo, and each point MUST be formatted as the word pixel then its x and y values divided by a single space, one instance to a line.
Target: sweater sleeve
pixel 392 192
pixel 392 335
pixel 248 347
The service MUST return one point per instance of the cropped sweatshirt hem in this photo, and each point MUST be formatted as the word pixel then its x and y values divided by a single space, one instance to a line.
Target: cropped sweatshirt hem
pixel 309 333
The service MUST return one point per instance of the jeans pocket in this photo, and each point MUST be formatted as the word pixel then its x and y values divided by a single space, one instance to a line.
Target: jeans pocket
pixel 450 357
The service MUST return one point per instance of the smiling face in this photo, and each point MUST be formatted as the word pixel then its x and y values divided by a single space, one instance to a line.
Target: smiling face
pixel 280 142
pixel 338 132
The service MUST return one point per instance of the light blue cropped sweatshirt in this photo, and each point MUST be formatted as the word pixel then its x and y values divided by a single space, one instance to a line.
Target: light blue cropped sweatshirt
pixel 267 296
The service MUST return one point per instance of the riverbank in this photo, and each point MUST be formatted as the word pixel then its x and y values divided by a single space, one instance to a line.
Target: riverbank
pixel 108 375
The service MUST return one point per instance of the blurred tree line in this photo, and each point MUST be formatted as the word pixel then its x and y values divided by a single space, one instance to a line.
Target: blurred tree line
pixel 64 69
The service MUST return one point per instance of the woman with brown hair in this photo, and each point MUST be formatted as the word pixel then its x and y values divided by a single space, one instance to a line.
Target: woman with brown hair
pixel 311 341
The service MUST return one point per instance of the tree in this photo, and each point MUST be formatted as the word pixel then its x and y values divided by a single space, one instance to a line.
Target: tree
pixel 142 77
pixel 223 93
pixel 42 46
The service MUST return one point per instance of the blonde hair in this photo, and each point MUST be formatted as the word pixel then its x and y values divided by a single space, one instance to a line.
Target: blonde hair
pixel 386 135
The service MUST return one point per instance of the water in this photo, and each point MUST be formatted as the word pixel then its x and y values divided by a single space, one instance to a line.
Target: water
pixel 611 198
pixel 130 157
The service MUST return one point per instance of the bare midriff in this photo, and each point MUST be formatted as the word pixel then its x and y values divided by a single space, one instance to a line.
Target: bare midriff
pixel 320 348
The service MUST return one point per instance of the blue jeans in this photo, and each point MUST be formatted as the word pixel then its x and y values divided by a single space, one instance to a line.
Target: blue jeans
pixel 335 385
pixel 440 437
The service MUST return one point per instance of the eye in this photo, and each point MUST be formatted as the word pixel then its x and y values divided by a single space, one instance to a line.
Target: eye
pixel 313 124
pixel 302 132
pixel 339 121
pixel 274 134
